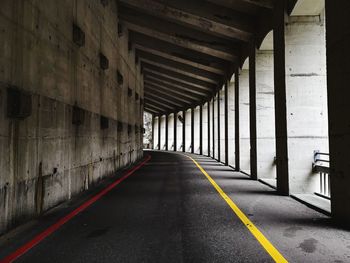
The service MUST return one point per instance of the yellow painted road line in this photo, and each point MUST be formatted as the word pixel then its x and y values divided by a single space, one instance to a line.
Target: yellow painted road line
pixel 273 252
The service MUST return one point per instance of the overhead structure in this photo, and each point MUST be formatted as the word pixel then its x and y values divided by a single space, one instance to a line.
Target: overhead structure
pixel 188 49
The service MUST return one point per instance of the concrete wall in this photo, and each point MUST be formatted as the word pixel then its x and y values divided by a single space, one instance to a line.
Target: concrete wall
pixel 162 132
pixel 265 105
pixel 212 125
pixel 46 159
pixel 231 122
pixel 244 120
pixel 306 99
pixel 179 133
pixel 188 131
pixel 155 133
pixel 215 128
pixel 171 132
pixel 222 125
pixel 205 129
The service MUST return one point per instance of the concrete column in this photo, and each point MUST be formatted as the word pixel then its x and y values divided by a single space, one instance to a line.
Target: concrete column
pixel 179 131
pixel 266 142
pixel 213 127
pixel 159 132
pixel 226 124
pixel 153 137
pixel 338 69
pixel 306 91
pixel 196 124
pixel 280 98
pixel 209 126
pixel 201 129
pixel 237 133
pixel 156 133
pixel 244 122
pixel 252 114
pixel 218 127
pixel 175 131
pixel 184 131
pixel 231 121
pixel 188 130
pixel 166 132
pixel 171 132
pixel 192 130
pixel 222 124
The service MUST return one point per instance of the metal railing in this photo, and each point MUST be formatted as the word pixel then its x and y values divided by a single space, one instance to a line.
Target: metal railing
pixel 321 166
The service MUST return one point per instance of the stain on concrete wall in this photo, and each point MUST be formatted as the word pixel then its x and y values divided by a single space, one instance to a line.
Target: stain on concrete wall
pixel 47 158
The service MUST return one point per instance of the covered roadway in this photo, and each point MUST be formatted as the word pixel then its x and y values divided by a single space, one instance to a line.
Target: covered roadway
pixel 174 131
pixel 168 211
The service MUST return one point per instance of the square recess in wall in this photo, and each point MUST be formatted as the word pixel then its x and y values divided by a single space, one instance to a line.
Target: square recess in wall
pixel 104 63
pixel 78 116
pixel 78 36
pixel 120 78
pixel 120 30
pixel 136 96
pixel 120 126
pixel 104 3
pixel 129 92
pixel 104 123
pixel 19 103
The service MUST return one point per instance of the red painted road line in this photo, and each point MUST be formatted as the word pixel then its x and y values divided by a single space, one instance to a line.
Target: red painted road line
pixel 40 237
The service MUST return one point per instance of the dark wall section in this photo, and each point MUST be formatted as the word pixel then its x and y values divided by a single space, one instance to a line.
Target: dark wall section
pixel 71 102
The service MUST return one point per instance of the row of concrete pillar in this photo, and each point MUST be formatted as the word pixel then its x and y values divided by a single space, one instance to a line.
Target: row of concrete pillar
pixel 339 137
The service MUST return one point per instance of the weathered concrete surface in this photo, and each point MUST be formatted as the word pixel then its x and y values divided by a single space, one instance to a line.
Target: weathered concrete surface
pixel 338 77
pixel 306 99
pixel 196 130
pixel 266 146
pixel 205 129
pixel 231 122
pixel 45 159
pixel 244 119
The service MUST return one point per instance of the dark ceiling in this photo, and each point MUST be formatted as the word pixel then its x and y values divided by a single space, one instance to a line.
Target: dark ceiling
pixel 188 49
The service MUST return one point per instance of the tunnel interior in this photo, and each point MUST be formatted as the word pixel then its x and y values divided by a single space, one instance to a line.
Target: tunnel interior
pixel 89 87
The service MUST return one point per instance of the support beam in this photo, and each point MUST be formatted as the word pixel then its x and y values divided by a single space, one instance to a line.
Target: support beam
pixel 190 19
pixel 166 132
pixel 226 124
pixel 209 126
pixel 338 69
pixel 175 131
pixel 237 135
pixel 154 107
pixel 160 104
pixel 280 98
pixel 177 87
pixel 170 91
pixel 251 4
pixel 219 137
pixel 183 130
pixel 196 88
pixel 168 94
pixel 182 42
pixel 150 110
pixel 188 62
pixel 163 100
pixel 201 129
pixel 159 132
pixel 252 114
pixel 192 129
pixel 178 69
